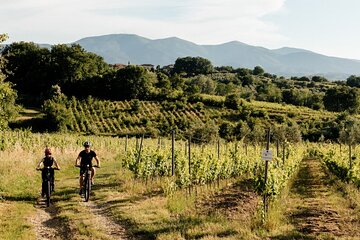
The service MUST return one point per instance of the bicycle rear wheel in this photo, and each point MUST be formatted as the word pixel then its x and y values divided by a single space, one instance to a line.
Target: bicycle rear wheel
pixel 48 192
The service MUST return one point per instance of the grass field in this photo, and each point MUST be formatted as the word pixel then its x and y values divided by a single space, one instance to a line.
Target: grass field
pixel 313 204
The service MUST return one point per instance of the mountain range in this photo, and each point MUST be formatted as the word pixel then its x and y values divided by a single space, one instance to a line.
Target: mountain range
pixel 125 48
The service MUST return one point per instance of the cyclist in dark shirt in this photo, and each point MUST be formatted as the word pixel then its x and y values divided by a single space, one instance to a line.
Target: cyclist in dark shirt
pixel 85 157
pixel 48 161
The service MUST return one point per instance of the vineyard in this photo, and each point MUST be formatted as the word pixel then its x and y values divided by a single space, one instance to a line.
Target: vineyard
pixel 159 189
pixel 137 117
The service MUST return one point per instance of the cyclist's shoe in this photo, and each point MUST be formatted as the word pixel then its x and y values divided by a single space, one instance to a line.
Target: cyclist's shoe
pixel 80 192
pixel 92 183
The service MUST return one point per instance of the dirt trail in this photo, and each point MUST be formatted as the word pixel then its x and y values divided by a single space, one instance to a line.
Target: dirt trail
pixel 316 210
pixel 104 222
pixel 47 225
pixel 238 201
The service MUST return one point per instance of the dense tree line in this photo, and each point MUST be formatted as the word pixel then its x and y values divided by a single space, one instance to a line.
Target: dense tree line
pixel 46 77
pixel 34 70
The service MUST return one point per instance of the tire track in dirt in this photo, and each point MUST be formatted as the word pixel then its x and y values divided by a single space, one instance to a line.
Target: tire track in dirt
pixel 104 222
pixel 315 209
pixel 47 223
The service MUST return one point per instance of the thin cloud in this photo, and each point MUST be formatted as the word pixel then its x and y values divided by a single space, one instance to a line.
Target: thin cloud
pixel 202 21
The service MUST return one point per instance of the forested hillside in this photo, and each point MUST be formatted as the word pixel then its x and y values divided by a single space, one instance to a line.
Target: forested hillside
pixel 79 92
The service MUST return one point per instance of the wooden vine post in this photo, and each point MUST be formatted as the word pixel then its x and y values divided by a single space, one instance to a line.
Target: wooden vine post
pixel 172 152
pixel 266 156
pixel 141 145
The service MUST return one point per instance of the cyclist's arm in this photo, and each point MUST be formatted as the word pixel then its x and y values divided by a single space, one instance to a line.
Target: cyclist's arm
pixel 39 164
pixel 56 164
pixel 97 161
pixel 77 161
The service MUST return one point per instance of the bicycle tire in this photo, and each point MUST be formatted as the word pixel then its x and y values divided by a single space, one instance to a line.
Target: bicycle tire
pixel 48 192
pixel 87 188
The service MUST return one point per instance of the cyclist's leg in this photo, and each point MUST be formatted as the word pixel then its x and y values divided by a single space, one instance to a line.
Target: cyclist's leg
pixel 43 177
pixel 81 178
pixel 93 173
pixel 52 177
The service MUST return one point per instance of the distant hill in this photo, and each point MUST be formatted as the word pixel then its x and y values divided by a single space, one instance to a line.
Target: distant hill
pixel 124 48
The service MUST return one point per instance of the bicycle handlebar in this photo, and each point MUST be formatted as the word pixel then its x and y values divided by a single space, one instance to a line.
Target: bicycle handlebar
pixel 40 169
pixel 96 166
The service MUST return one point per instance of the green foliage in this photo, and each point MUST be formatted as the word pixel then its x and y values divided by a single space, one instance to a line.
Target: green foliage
pixel 192 66
pixel 342 99
pixel 318 79
pixel 206 133
pixel 34 70
pixel 133 82
pixel 208 100
pixel 202 84
pixel 8 108
pixel 72 63
pixel 269 92
pixel 135 105
pixel 241 130
pixel 29 67
pixel 350 132
pixel 3 38
pixel 353 81
pixel 226 131
pixel 258 70
pixel 58 115
pixel 233 101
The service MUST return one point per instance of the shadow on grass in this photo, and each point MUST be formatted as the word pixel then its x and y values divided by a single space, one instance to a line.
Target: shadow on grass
pixel 19 198
pixel 37 125
pixel 182 225
pixel 293 236
pixel 64 194
pixel 303 182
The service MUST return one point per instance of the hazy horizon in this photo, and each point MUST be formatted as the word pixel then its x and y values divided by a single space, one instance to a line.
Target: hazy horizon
pixel 322 26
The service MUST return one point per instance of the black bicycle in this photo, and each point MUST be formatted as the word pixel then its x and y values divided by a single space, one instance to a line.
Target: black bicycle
pixel 47 184
pixel 86 187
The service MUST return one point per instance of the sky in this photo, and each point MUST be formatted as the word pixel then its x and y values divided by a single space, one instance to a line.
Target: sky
pixel 328 27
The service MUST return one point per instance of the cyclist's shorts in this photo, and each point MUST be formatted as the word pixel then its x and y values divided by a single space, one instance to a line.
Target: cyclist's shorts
pixel 83 170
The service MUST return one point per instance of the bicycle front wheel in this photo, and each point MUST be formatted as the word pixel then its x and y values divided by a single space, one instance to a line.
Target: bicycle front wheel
pixel 87 189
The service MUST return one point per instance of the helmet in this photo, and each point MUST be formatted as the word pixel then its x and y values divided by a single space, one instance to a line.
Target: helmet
pixel 47 151
pixel 87 144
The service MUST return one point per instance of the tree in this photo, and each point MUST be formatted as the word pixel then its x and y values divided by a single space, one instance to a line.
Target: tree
pixel 28 66
pixel 342 99
pixel 232 101
pixel 8 107
pixel 133 82
pixel 318 79
pixel 269 92
pixel 205 133
pixel 3 38
pixel 193 66
pixel 73 63
pixel 241 130
pixel 202 84
pixel 350 135
pixel 57 114
pixel 258 70
pixel 226 131
pixel 34 70
pixel 247 80
pixel 353 81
